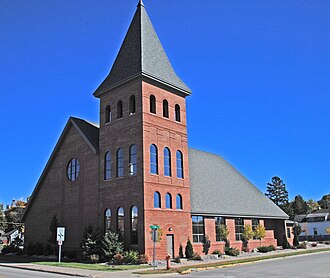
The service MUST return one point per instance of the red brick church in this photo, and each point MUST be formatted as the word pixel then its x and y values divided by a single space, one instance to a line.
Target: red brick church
pixel 135 168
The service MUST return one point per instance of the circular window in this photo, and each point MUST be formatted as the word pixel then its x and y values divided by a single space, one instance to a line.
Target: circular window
pixel 73 169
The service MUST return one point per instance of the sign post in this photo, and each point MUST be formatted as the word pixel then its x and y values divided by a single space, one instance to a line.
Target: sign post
pixel 60 236
pixel 154 237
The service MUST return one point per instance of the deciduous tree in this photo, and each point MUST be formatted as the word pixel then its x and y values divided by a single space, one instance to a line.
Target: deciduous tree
pixel 325 202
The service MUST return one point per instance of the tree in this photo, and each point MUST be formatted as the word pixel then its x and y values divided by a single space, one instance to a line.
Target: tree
pixel 325 202
pixel 312 205
pixel 296 233
pixel 91 244
pixel 3 222
pixel 206 245
pixel 299 205
pixel 260 232
pixel 223 233
pixel 181 251
pixel 189 250
pixel 111 245
pixel 247 234
pixel 276 191
pixel 14 214
pixel 286 244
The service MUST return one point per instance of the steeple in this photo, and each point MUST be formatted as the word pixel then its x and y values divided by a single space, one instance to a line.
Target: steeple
pixel 142 54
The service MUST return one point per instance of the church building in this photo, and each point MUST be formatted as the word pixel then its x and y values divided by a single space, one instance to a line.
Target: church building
pixel 134 169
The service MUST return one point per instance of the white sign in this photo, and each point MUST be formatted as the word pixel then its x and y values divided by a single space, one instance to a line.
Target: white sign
pixel 60 233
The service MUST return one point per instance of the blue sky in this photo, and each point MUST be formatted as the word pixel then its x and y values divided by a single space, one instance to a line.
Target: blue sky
pixel 259 72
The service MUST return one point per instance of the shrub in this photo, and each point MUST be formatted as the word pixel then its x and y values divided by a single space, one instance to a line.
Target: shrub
pixel 296 233
pixel 189 250
pixel 11 249
pixel 181 251
pixel 206 245
pixel 314 244
pixel 143 259
pixel 118 259
pixel 177 259
pixel 70 254
pixel 94 258
pixel 217 252
pixel 131 257
pixel 90 244
pixel 111 245
pixel 231 251
pixel 196 257
pixel 286 244
pixel 302 246
pixel 265 249
pixel 327 242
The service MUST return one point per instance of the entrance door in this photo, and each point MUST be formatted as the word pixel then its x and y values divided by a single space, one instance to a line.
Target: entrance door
pixel 170 244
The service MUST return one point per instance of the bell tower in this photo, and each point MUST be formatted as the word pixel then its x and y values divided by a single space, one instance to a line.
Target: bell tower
pixel 143 144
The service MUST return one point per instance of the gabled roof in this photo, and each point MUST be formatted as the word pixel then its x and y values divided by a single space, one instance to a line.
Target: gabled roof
pixel 142 54
pixel 217 188
pixel 88 131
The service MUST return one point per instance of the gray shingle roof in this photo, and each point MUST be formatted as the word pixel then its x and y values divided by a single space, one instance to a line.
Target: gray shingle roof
pixel 142 54
pixel 89 130
pixel 217 188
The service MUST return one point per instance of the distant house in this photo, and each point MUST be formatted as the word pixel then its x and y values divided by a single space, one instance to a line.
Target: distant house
pixel 314 225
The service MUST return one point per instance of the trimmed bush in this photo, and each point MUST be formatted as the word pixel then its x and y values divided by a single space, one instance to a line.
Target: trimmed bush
pixel 131 257
pixel 232 251
pixel 177 259
pixel 118 259
pixel 265 249
pixel 286 244
pixel 143 259
pixel 189 252
pixel 302 246
pixel 181 251
pixel 314 244
pixel 196 257
pixel 217 252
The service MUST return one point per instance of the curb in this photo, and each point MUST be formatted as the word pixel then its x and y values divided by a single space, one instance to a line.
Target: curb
pixel 44 270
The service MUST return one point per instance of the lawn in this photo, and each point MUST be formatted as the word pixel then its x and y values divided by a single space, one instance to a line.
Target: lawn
pixel 100 267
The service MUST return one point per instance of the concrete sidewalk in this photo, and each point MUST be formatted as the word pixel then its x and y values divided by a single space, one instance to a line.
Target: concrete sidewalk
pixel 129 273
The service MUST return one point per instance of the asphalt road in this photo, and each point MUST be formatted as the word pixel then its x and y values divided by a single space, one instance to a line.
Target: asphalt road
pixel 7 272
pixel 313 265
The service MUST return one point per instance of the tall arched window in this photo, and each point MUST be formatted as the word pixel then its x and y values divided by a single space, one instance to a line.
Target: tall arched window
pixel 152 104
pixel 165 108
pixel 153 159
pixel 132 107
pixel 120 222
pixel 120 162
pixel 168 200
pixel 108 115
pixel 107 166
pixel 132 160
pixel 107 220
pixel 157 200
pixel 167 162
pixel 134 225
pixel 177 113
pixel 119 109
pixel 179 165
pixel 178 201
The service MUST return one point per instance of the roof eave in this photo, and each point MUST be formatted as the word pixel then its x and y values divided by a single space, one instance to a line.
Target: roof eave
pixel 262 216
pixel 182 91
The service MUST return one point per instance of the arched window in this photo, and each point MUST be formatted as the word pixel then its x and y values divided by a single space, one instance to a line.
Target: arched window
pixel 120 222
pixel 179 165
pixel 132 107
pixel 152 104
pixel 134 225
pixel 107 220
pixel 119 109
pixel 177 113
pixel 73 169
pixel 167 162
pixel 157 201
pixel 165 108
pixel 132 160
pixel 168 201
pixel 120 162
pixel 108 115
pixel 107 166
pixel 153 159
pixel 178 201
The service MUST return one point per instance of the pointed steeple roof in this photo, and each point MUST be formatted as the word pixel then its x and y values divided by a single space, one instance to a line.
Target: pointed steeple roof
pixel 142 54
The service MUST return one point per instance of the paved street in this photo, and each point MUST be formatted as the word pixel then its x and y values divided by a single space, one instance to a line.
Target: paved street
pixel 314 265
pixel 7 272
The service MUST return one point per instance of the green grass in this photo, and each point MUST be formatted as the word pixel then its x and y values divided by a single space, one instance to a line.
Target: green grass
pixel 100 267
pixel 231 262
